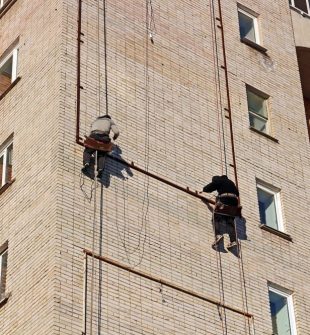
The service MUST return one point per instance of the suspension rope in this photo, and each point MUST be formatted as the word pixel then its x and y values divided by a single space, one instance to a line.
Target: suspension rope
pixel 98 57
pixel 242 278
pixel 142 232
pixel 93 247
pixel 242 282
pixel 218 81
pixel 105 56
pixel 220 281
pixel 149 25
pixel 247 326
pixel 215 65
pixel 82 184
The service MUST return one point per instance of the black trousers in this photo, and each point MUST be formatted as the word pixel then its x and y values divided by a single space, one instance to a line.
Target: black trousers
pixel 88 155
pixel 225 225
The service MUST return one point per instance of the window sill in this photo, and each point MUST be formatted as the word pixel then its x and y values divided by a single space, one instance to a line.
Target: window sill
pixel 4 300
pixel 276 232
pixel 10 87
pixel 264 134
pixel 299 11
pixel 6 7
pixel 253 45
pixel 6 186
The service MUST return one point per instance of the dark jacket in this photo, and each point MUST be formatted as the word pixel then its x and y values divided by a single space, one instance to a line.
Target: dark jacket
pixel 221 184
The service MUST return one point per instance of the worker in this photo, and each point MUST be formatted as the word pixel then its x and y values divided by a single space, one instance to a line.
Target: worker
pixel 228 195
pixel 100 131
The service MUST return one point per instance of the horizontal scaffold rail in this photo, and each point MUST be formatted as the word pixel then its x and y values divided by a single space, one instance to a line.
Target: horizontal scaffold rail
pixel 161 179
pixel 166 283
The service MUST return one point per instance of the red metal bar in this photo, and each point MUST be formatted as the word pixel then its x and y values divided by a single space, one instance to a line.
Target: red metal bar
pixel 163 180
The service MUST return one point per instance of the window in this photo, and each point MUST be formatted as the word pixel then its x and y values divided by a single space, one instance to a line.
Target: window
pixel 269 206
pixel 248 26
pixel 282 312
pixel 6 156
pixel 3 269
pixel 258 110
pixel 8 70
pixel 303 5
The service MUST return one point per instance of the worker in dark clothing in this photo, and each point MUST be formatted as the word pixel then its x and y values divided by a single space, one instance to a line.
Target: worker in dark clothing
pixel 228 195
pixel 100 131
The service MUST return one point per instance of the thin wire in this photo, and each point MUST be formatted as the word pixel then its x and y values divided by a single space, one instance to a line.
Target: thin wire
pixel 219 83
pixel 82 183
pixel 98 57
pixel 220 282
pixel 93 248
pixel 242 278
pixel 146 184
pixel 242 281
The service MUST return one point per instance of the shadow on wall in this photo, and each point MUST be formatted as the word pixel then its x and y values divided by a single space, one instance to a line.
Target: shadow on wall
pixel 114 168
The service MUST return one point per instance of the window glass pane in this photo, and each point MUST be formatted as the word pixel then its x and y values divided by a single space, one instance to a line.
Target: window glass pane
pixel 256 104
pixel 267 209
pixel 246 26
pixel 6 75
pixel 4 261
pixel 302 5
pixel 258 123
pixel 9 163
pixel 1 170
pixel 279 314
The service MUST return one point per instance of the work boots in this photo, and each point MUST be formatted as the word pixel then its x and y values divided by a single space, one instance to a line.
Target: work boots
pixel 100 174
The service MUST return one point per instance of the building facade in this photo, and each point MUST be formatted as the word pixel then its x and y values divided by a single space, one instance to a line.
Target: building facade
pixel 197 88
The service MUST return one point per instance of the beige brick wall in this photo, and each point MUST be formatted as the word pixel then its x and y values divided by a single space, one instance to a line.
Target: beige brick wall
pixel 28 207
pixel 140 221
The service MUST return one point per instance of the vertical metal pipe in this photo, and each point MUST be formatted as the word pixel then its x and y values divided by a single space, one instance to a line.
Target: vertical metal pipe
pixel 85 296
pixel 228 94
pixel 78 85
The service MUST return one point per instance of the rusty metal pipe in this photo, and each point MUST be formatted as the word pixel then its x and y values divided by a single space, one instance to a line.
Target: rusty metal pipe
pixel 78 84
pixel 166 283
pixel 228 92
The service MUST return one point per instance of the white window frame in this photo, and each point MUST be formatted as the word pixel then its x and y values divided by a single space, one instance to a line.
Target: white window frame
pixel 290 304
pixel 255 23
pixel 4 153
pixel 264 97
pixel 277 201
pixel 292 2
pixel 1 255
pixel 14 54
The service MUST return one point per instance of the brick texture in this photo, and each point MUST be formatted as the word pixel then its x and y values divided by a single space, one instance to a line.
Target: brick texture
pixel 167 94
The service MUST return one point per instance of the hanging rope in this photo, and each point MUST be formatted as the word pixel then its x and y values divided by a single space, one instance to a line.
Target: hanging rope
pixel 93 248
pixel 219 99
pixel 105 55
pixel 220 281
pixel 221 129
pixel 98 56
pixel 142 233
pixel 242 279
pixel 96 152
pixel 82 184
